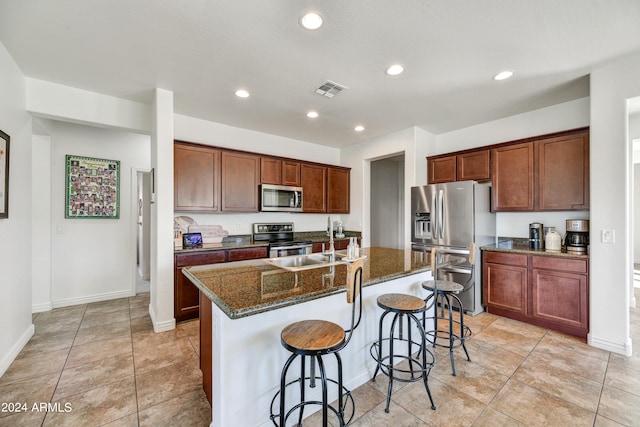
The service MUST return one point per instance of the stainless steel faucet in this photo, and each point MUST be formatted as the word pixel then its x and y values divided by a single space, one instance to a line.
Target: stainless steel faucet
pixel 331 250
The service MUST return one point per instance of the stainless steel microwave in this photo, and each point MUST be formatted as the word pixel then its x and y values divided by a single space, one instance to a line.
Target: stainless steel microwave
pixel 280 198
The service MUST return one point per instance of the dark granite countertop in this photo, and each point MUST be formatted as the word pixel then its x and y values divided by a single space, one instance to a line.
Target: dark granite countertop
pixel 245 241
pixel 521 246
pixel 245 288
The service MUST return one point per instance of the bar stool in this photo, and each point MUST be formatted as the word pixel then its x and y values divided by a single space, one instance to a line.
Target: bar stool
pixel 313 339
pixel 419 364
pixel 445 293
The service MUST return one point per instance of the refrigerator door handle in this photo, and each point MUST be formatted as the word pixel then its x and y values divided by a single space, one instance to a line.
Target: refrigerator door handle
pixel 434 219
pixel 441 223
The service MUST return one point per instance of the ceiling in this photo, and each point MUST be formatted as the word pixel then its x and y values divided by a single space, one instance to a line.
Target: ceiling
pixel 203 50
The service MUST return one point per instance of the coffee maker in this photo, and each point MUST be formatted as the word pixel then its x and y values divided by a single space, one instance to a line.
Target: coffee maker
pixel 577 237
pixel 536 235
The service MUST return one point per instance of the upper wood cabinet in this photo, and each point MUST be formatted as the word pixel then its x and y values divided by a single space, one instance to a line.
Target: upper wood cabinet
pixel 270 170
pixel 291 173
pixel 547 174
pixel 441 169
pixel 274 170
pixel 314 187
pixel 240 180
pixel 474 165
pixel 196 178
pixel 471 165
pixel 338 186
pixel 563 172
pixel 209 179
pixel 512 177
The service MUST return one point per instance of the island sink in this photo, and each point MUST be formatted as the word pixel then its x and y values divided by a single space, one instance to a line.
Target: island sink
pixel 304 262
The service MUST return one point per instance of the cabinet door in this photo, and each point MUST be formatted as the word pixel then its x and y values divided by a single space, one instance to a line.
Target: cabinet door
pixel 240 179
pixel 314 188
pixel 291 173
pixel 441 169
pixel 561 298
pixel 512 175
pixel 196 178
pixel 505 287
pixel 563 173
pixel 338 185
pixel 473 166
pixel 185 294
pixel 270 170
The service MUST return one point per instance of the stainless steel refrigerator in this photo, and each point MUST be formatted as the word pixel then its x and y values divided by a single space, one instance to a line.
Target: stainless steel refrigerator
pixel 454 215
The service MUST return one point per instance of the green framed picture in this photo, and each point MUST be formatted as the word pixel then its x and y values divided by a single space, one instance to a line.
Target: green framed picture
pixel 92 188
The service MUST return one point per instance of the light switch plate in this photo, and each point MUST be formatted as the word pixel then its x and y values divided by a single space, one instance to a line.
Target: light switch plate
pixel 608 236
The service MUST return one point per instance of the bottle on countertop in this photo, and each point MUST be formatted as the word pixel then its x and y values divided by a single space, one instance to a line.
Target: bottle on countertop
pixel 351 249
pixel 356 248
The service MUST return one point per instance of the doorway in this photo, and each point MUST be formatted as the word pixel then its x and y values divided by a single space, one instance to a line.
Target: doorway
pixel 387 202
pixel 143 231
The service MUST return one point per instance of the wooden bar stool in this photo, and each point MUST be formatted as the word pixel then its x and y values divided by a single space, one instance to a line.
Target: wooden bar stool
pixel 420 362
pixel 314 339
pixel 445 293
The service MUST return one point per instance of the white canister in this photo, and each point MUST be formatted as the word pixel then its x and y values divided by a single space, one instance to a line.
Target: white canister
pixel 552 241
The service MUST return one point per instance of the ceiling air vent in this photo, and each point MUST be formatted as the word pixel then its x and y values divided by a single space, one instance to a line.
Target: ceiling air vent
pixel 329 89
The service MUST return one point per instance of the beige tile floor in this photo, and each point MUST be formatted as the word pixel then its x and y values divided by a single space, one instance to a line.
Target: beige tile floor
pixel 102 364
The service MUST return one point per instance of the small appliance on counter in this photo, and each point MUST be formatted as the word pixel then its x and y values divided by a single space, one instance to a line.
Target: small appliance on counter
pixel 552 240
pixel 577 237
pixel 536 231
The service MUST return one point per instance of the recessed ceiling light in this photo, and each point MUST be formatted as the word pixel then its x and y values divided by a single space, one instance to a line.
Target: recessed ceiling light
pixel 502 75
pixel 395 69
pixel 359 128
pixel 311 21
pixel 312 114
pixel 241 93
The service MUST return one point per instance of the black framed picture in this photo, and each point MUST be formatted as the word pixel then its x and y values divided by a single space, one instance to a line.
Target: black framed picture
pixel 4 175
pixel 92 188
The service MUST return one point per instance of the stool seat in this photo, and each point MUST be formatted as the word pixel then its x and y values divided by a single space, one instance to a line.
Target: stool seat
pixel 401 302
pixel 312 337
pixel 443 286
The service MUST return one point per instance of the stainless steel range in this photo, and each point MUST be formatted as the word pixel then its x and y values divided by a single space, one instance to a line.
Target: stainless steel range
pixel 280 239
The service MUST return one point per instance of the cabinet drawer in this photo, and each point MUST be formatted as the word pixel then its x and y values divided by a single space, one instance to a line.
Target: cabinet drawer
pixel 560 264
pixel 247 253
pixel 505 258
pixel 200 258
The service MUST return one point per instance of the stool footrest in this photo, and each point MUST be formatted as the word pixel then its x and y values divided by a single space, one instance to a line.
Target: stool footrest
pixel 346 396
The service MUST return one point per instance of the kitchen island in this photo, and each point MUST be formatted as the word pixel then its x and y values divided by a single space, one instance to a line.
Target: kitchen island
pixel 248 303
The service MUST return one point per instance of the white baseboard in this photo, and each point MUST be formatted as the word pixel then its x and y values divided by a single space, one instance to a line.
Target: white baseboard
pixel 623 349
pixel 167 325
pixel 16 349
pixel 39 308
pixel 93 298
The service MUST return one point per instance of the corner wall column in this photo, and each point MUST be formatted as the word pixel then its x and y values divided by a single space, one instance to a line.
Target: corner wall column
pixel 161 302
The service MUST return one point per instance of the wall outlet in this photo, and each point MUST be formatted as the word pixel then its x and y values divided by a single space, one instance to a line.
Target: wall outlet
pixel 608 236
pixel 238 226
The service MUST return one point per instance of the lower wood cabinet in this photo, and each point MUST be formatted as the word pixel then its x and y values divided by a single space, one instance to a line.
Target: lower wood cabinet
pixel 338 245
pixel 547 291
pixel 186 297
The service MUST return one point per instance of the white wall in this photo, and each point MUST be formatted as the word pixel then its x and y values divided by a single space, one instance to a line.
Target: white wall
pixel 92 258
pixel 41 222
pixel 611 183
pixel 15 231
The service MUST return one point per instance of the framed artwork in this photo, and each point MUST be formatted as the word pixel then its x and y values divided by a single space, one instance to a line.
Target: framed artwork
pixel 4 175
pixel 92 188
